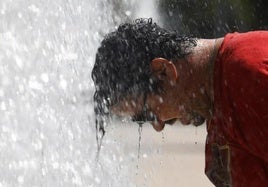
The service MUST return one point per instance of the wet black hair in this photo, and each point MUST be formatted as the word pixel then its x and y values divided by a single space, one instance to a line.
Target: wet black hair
pixel 122 65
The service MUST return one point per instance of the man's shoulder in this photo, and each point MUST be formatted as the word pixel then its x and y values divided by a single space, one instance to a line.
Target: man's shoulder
pixel 246 48
pixel 250 35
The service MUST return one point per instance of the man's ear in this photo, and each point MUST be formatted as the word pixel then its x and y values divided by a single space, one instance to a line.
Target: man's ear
pixel 164 69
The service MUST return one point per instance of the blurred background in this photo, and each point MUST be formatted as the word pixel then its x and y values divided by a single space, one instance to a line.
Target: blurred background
pixel 209 19
pixel 47 130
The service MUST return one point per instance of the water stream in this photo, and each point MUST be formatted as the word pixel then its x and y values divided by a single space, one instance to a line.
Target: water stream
pixel 47 132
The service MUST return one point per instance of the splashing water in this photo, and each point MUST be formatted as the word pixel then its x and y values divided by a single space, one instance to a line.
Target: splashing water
pixel 47 51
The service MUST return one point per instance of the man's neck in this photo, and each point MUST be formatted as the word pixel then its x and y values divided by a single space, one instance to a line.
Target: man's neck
pixel 202 61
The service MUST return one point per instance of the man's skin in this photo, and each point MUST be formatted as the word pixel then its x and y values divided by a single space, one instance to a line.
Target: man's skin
pixel 187 86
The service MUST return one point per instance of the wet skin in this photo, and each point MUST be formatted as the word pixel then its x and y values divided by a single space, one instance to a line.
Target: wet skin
pixel 187 86
pixel 163 108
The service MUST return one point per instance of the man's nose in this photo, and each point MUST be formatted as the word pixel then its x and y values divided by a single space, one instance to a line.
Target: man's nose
pixel 158 125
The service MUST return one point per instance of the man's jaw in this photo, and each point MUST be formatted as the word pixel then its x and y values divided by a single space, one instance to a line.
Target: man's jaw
pixel 194 119
pixel 171 121
pixel 197 119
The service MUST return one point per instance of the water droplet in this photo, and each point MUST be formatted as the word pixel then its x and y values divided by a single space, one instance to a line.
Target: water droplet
pixel 128 13
pixel 19 15
pixel 3 106
pixel 63 84
pixel 44 77
pixel 20 179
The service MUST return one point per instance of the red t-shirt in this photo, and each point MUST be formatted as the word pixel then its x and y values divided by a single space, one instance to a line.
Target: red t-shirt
pixel 237 140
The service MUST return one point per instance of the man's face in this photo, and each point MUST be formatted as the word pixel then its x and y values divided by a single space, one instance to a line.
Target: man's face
pixel 175 102
pixel 157 109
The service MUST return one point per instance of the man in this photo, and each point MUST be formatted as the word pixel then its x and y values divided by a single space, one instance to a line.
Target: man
pixel 154 75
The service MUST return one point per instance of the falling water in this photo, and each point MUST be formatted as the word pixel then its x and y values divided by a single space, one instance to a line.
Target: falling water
pixel 195 135
pixel 47 51
pixel 139 146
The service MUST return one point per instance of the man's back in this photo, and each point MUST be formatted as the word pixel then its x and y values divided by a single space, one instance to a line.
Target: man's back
pixel 237 143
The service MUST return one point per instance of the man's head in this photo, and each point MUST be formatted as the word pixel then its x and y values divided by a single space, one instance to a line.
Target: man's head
pixel 123 66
